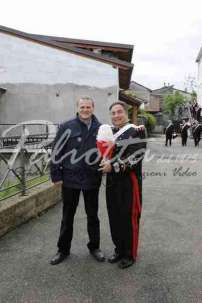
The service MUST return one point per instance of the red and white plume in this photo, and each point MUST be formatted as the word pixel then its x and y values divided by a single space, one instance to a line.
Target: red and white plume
pixel 105 141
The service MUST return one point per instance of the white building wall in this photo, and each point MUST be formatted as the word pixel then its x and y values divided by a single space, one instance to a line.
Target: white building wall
pixel 23 61
pixel 44 83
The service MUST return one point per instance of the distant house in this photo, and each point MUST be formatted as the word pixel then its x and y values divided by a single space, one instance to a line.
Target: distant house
pixel 128 96
pixel 159 94
pixel 153 101
pixel 149 103
pixel 133 98
pixel 41 77
pixel 141 91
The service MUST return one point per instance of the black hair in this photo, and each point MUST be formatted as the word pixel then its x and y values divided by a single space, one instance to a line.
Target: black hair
pixel 123 104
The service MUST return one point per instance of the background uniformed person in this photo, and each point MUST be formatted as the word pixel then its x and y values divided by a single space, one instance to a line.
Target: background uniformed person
pixel 169 133
pixel 184 132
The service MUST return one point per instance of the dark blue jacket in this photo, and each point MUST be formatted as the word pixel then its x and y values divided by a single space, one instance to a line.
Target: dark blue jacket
pixel 80 140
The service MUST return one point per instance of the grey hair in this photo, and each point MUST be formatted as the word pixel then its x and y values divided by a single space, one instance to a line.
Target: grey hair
pixel 86 98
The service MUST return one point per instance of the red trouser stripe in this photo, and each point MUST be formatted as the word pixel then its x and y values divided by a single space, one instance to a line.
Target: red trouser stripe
pixel 136 211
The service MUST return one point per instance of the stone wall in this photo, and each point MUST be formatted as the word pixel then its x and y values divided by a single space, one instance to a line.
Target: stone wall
pixel 19 209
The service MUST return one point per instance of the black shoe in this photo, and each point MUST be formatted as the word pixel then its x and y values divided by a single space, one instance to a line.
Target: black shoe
pixel 98 255
pixel 114 258
pixel 126 262
pixel 58 258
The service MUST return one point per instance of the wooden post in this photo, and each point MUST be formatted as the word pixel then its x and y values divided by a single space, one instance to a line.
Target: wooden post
pixel 134 114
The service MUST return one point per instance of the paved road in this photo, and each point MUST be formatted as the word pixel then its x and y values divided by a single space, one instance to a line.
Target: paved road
pixel 169 268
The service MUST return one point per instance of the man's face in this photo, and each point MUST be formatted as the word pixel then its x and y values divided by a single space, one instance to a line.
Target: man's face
pixel 85 109
pixel 118 116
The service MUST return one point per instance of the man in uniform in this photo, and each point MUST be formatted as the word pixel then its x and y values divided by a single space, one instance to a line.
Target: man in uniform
pixel 198 113
pixel 124 186
pixel 77 135
pixel 196 129
pixel 169 133
pixel 184 132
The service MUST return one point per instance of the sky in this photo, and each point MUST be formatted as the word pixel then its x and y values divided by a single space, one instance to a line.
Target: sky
pixel 167 35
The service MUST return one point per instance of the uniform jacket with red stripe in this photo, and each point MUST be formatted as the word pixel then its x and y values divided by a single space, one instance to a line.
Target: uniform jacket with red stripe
pixel 128 153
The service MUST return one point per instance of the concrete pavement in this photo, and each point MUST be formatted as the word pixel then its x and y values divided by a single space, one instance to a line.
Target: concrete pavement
pixel 169 268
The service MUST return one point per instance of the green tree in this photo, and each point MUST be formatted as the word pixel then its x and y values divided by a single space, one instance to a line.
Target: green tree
pixel 172 102
pixel 145 118
pixel 150 120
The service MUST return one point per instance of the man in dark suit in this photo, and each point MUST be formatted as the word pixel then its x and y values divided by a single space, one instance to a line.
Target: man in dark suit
pixel 75 139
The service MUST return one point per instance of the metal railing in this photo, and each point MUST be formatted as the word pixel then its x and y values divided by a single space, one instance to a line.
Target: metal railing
pixel 24 159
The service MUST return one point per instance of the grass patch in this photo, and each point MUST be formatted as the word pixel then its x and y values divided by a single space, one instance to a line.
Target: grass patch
pixel 11 188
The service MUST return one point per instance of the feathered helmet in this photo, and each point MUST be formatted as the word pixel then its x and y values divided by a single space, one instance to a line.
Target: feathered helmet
pixel 105 141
